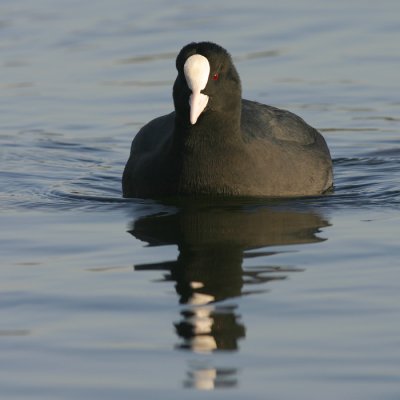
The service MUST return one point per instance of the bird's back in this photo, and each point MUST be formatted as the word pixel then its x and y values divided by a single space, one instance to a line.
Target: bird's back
pixel 260 121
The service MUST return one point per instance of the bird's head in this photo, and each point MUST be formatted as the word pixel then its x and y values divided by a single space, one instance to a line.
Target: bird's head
pixel 207 81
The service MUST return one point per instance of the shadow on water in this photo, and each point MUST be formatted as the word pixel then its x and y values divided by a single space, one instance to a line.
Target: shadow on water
pixel 220 249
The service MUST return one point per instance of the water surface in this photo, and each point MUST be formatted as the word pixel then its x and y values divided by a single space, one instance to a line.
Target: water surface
pixel 104 298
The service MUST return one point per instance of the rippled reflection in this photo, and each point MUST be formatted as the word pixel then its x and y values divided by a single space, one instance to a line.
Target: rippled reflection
pixel 202 376
pixel 213 242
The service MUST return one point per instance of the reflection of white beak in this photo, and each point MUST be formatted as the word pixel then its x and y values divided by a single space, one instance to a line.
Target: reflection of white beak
pixel 197 70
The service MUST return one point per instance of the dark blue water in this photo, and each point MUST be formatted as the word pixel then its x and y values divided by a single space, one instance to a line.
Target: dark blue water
pixel 102 297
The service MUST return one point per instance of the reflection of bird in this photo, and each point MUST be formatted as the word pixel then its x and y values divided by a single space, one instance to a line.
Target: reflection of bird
pixel 205 377
pixel 206 328
pixel 212 243
pixel 216 143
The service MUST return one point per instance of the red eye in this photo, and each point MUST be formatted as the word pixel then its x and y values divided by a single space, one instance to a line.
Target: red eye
pixel 215 76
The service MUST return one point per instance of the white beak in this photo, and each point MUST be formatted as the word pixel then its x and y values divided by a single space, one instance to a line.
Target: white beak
pixel 197 70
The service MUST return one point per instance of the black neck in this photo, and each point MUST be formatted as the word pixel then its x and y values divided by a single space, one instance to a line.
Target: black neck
pixel 211 129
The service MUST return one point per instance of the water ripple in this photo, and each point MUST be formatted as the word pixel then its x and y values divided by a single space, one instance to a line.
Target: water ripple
pixel 80 179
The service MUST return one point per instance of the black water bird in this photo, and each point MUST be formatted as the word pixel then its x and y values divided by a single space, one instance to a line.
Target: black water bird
pixel 216 143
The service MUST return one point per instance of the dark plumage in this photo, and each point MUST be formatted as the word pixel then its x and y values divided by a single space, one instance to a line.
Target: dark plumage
pixel 233 147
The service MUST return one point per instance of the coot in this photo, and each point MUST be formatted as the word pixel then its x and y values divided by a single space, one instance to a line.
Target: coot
pixel 216 143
